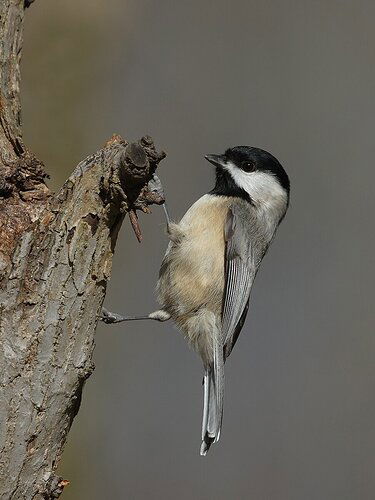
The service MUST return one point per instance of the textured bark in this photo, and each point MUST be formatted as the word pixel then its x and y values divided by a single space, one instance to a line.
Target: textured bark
pixel 55 261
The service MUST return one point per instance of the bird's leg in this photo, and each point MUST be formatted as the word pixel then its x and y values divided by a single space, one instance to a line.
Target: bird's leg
pixel 166 213
pixel 156 190
pixel 110 317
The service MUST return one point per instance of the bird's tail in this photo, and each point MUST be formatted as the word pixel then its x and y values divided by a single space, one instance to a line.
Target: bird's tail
pixel 213 383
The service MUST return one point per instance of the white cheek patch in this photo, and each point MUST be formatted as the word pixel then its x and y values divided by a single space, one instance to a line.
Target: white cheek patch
pixel 262 187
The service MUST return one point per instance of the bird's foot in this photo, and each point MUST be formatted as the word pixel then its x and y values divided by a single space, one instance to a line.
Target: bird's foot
pixel 109 317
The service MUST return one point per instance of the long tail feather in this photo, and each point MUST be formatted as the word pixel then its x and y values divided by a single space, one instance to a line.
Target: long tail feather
pixel 213 399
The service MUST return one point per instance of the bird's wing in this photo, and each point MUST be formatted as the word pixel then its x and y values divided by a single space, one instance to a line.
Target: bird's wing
pixel 240 270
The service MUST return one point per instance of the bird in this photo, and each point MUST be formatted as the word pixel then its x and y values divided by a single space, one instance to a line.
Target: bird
pixel 211 261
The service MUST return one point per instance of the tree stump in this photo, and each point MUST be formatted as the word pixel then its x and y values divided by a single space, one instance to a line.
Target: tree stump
pixel 55 262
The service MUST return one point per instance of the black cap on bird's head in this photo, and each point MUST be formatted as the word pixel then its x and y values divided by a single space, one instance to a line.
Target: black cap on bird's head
pixel 236 169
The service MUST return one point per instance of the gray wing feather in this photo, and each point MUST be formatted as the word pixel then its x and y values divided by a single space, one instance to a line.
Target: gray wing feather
pixel 240 271
pixel 213 394
pixel 218 380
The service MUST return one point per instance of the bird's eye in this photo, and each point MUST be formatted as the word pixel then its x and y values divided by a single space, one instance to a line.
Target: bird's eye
pixel 248 166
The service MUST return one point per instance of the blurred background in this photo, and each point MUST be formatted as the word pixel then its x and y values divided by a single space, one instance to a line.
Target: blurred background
pixel 296 78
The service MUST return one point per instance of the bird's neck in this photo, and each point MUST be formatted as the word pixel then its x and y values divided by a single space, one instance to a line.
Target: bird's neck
pixel 225 186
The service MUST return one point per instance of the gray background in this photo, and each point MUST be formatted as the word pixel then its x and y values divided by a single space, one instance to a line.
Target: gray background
pixel 296 78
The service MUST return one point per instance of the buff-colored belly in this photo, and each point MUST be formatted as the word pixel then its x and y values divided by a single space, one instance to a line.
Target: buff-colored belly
pixel 193 274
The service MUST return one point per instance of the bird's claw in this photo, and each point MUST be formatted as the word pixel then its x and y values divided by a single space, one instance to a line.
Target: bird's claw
pixel 109 317
pixel 156 187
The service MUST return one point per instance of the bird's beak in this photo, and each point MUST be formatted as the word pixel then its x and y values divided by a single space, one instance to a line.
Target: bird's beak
pixel 217 160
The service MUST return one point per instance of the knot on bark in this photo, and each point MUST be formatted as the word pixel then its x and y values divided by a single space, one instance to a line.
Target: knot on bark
pixel 135 164
pixel 26 177
pixel 139 161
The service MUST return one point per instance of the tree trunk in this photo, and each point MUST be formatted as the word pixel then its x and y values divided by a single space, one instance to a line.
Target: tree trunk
pixel 55 261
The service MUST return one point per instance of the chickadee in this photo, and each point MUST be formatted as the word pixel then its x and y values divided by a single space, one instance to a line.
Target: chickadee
pixel 210 264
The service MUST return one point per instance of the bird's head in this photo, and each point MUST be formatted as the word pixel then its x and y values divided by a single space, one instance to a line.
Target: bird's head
pixel 251 173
